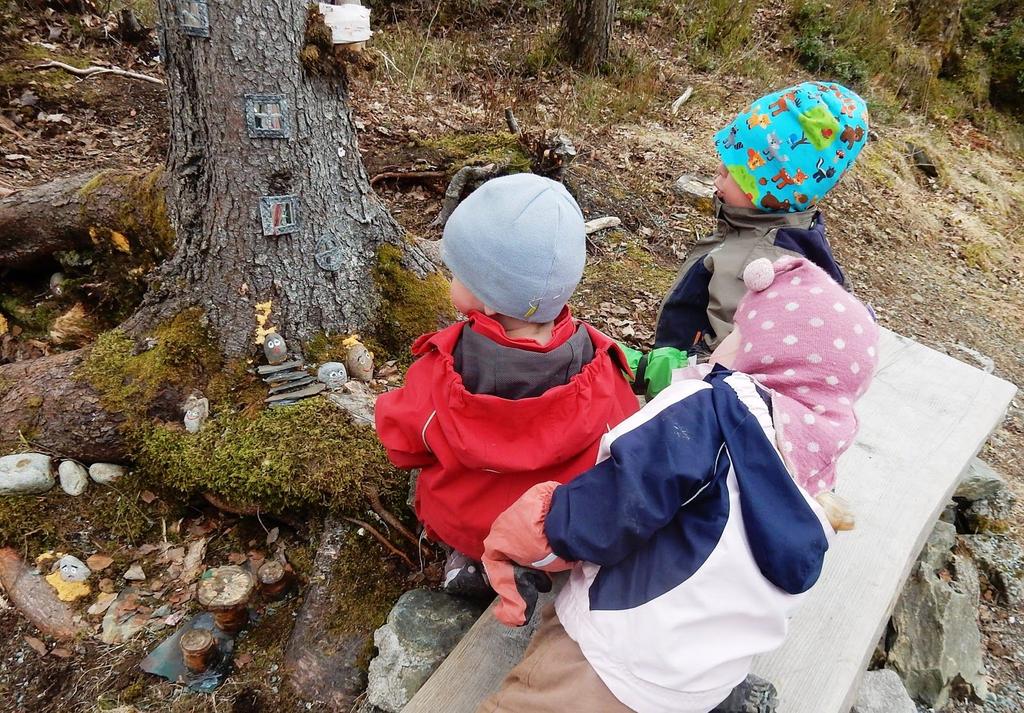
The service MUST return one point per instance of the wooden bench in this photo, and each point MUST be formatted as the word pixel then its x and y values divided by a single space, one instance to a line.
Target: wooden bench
pixel 923 419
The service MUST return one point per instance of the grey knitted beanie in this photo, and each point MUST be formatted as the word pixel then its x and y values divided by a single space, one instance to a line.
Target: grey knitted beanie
pixel 518 243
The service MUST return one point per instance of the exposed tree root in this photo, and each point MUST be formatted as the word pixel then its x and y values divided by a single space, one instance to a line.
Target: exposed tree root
pixel 123 211
pixel 43 407
pixel 36 599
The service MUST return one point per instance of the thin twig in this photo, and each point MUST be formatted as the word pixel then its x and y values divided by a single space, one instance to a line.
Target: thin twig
pixel 378 507
pixel 383 540
pixel 405 175
pixel 8 126
pixel 94 71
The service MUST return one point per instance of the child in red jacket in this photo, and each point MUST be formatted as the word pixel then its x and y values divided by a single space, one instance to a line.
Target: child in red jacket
pixel 517 394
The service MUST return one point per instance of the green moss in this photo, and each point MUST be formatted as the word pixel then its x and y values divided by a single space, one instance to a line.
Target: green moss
pixel 35 319
pixel 111 514
pixel 501 148
pixel 283 458
pixel 367 586
pixel 184 356
pixel 411 306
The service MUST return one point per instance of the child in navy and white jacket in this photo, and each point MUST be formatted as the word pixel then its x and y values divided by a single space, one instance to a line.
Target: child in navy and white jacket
pixel 697 535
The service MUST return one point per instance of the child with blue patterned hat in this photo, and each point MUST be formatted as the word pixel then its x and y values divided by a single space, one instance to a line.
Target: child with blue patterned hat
pixel 779 158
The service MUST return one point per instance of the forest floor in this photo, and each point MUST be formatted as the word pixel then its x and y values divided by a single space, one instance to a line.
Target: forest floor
pixel 939 259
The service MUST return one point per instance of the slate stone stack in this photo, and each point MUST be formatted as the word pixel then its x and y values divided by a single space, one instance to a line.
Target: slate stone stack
pixel 289 382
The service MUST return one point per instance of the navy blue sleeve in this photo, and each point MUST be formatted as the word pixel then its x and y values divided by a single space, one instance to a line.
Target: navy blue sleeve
pixel 683 319
pixel 653 470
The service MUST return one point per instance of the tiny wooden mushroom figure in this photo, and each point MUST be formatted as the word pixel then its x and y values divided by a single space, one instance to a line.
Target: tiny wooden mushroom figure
pixel 198 647
pixel 273 579
pixel 349 22
pixel 225 593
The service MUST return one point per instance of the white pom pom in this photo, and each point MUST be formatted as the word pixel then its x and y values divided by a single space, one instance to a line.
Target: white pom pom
pixel 759 274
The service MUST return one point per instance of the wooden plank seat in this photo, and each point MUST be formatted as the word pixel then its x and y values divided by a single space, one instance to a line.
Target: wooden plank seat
pixel 924 418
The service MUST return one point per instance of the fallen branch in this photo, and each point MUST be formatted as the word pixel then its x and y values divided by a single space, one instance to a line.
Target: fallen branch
pixel 513 125
pixel 383 540
pixel 460 180
pixel 8 126
pixel 592 226
pixel 94 71
pixel 683 98
pixel 405 175
pixel 36 599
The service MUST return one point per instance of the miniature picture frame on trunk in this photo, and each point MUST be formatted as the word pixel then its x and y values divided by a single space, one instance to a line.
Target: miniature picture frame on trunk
pixel 279 214
pixel 266 116
pixel 194 17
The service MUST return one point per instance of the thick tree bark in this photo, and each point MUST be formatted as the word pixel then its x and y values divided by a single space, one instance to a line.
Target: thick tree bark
pixel 79 212
pixel 587 31
pixel 42 402
pixel 223 261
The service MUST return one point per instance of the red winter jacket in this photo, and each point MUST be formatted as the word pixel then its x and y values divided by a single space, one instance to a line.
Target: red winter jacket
pixel 479 452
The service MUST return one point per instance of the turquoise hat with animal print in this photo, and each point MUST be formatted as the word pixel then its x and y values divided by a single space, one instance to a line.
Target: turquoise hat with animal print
pixel 788 149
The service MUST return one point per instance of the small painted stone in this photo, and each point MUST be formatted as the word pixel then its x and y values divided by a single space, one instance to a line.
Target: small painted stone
pixel 106 473
pixel 360 362
pixel 333 374
pixel 74 478
pixel 274 348
pixel 57 283
pixel 197 409
pixel 73 569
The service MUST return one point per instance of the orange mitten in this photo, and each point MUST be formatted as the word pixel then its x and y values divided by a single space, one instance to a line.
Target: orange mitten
pixel 517 538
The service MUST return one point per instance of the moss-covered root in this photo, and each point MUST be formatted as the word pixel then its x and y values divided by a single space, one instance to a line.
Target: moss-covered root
pixel 411 305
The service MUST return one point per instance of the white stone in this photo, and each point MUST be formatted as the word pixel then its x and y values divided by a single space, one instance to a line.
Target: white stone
pixel 135 573
pixel 106 473
pixel 24 473
pixel 74 478
pixel 882 691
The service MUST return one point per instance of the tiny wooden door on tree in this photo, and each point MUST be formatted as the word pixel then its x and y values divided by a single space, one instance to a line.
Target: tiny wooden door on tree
pixel 279 214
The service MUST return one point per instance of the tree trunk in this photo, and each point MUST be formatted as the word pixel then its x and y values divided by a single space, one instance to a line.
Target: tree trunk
pixel 218 174
pixel 587 31
pixel 80 212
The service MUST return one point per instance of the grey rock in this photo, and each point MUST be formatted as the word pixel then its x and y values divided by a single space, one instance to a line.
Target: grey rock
pixel 26 473
pixel 106 473
pixel 1001 559
pixel 73 569
pixel 949 513
pixel 992 515
pixel 754 695
pixel 922 161
pixel 135 573
pixel 937 642
pixel 74 478
pixel 883 692
pixel 421 630
pixel 699 190
pixel 980 482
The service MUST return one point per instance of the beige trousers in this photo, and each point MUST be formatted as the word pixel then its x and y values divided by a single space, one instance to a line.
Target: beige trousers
pixel 553 677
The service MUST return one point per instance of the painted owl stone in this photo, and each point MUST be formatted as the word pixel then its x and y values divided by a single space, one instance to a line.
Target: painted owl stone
pixel 275 349
pixel 360 362
pixel 197 409
pixel 333 374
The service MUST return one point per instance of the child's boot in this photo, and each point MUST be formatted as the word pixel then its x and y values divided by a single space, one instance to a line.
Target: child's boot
pixel 465 577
